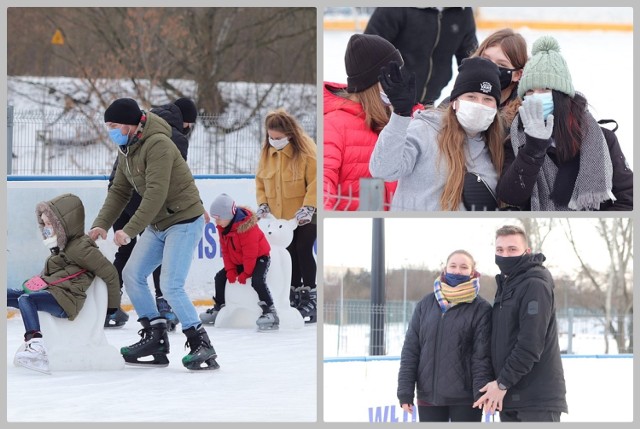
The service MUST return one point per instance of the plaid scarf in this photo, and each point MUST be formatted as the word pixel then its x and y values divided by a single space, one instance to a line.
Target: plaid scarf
pixel 448 296
pixel 594 181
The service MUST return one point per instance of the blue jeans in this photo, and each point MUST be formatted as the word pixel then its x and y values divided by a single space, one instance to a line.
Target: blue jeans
pixel 173 249
pixel 30 304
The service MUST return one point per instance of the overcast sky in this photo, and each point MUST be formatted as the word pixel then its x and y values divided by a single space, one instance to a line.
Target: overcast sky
pixel 427 242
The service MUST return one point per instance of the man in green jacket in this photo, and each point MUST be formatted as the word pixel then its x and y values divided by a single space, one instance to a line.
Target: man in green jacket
pixel 171 215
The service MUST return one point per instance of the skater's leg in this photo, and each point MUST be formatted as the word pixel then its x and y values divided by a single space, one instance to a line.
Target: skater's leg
pixel 220 282
pixel 30 304
pixel 156 281
pixel 259 279
pixel 180 241
pixel 305 237
pixel 146 257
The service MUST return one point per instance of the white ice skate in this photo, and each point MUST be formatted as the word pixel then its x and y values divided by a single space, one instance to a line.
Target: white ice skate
pixel 269 320
pixel 33 355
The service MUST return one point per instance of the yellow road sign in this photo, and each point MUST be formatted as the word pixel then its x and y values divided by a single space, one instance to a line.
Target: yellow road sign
pixel 58 38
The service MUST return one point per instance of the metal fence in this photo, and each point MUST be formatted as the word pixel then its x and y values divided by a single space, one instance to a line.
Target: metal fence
pixel 347 328
pixel 60 144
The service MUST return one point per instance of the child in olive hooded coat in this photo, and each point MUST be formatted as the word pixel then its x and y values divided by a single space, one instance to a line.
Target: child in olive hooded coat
pixel 74 262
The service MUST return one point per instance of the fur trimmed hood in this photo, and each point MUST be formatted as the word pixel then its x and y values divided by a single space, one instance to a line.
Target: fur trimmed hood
pixel 249 221
pixel 66 214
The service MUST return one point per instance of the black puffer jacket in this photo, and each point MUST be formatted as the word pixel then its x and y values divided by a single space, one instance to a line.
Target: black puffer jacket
pixel 524 339
pixel 172 114
pixel 428 39
pixel 446 354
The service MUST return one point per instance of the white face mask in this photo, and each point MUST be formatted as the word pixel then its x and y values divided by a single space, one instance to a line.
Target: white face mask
pixel 51 241
pixel 279 143
pixel 385 99
pixel 474 117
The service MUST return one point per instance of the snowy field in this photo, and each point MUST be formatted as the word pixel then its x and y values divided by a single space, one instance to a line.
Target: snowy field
pixel 370 390
pixel 605 78
pixel 263 377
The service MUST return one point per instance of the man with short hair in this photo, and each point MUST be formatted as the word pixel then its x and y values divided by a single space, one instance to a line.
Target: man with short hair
pixel 171 215
pixel 529 384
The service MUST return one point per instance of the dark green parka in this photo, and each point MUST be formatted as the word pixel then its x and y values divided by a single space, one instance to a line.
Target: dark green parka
pixel 152 166
pixel 76 252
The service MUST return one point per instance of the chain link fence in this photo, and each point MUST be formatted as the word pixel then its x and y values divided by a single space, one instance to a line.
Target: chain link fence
pixel 347 329
pixel 59 144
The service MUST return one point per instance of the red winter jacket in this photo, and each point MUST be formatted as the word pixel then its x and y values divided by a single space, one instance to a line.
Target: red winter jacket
pixel 348 144
pixel 244 243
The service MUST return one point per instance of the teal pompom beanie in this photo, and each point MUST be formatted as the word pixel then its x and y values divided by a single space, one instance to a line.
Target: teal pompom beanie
pixel 546 69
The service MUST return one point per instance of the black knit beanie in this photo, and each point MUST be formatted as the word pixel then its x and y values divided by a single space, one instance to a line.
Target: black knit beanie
pixel 188 109
pixel 123 111
pixel 365 55
pixel 477 74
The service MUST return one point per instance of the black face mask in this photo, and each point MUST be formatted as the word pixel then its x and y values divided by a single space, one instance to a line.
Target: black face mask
pixel 508 263
pixel 505 77
pixel 187 131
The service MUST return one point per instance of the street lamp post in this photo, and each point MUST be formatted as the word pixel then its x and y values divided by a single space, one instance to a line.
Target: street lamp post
pixel 404 299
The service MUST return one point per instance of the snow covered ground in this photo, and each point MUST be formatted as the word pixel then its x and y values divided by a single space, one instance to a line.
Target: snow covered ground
pixel 263 377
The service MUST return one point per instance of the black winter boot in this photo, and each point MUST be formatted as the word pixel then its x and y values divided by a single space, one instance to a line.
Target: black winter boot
pixel 294 296
pixel 202 352
pixel 308 304
pixel 154 342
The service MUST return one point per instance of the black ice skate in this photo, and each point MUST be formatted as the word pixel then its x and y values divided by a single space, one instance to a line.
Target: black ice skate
pixel 269 320
pixel 294 296
pixel 154 343
pixel 166 311
pixel 308 304
pixel 116 320
pixel 202 355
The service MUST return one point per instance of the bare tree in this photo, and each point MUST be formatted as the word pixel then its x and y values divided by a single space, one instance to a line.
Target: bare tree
pixel 617 234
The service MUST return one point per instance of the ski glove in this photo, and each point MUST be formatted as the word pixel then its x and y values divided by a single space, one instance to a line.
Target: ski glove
pixel 305 214
pixel 242 278
pixel 232 276
pixel 533 120
pixel 263 210
pixel 400 87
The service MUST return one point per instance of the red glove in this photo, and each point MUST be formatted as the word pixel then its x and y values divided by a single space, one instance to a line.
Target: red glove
pixel 232 276
pixel 242 278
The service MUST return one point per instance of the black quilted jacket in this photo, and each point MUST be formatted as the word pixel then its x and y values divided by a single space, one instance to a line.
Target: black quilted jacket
pixel 446 356
pixel 524 343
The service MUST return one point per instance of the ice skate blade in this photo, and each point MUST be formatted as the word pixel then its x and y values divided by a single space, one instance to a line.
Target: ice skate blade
pixel 210 365
pixel 146 364
pixel 31 367
pixel 114 326
pixel 268 328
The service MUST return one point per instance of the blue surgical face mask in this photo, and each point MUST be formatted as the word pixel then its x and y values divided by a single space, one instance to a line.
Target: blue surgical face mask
pixel 455 279
pixel 547 102
pixel 47 232
pixel 117 137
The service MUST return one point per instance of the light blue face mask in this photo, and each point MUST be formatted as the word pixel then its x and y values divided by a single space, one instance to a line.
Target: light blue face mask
pixel 117 137
pixel 547 102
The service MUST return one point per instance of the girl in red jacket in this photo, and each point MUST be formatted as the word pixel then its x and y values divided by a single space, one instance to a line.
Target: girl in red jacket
pixel 354 115
pixel 245 254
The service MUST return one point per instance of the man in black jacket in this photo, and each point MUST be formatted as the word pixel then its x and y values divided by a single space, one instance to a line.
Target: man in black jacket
pixel 529 384
pixel 428 38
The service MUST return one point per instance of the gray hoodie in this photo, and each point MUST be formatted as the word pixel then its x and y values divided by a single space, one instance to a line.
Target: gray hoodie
pixel 407 151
